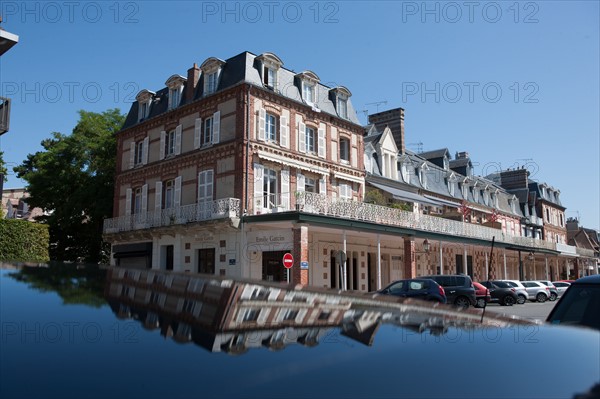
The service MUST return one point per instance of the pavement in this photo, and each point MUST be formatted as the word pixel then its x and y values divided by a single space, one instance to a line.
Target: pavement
pixel 529 310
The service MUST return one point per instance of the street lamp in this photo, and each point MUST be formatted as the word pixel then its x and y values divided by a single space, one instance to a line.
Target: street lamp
pixel 426 246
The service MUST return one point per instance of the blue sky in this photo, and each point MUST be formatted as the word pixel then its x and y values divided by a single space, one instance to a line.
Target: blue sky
pixel 512 83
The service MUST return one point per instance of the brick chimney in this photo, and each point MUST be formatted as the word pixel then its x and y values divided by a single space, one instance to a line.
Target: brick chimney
pixel 517 178
pixel 193 75
pixel 394 119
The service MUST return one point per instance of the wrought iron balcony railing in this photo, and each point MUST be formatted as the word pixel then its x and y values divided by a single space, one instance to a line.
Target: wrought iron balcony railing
pixel 347 209
pixel 218 209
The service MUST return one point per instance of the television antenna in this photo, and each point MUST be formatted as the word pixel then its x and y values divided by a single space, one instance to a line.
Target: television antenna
pixel 418 145
pixel 378 103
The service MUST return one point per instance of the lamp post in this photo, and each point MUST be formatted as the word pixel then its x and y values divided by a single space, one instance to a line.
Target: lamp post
pixel 531 258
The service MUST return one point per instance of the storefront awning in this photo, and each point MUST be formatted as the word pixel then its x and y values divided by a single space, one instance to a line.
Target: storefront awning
pixel 294 163
pixel 442 201
pixel 405 195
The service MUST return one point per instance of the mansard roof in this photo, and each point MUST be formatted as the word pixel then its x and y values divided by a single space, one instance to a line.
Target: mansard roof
pixel 245 68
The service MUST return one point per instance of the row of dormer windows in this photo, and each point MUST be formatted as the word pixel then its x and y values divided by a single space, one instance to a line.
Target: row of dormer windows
pixel 269 70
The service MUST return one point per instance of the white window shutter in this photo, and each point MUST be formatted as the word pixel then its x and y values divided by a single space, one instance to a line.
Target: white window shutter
pixel 300 183
pixel 145 150
pixel 161 150
pixel 322 186
pixel 128 202
pixel 258 187
pixel 197 132
pixel 262 115
pixel 201 186
pixel 178 140
pixel 285 188
pixel 321 143
pixel 177 193
pixel 209 184
pixel 216 136
pixel 301 137
pixel 284 132
pixel 132 155
pixel 144 198
pixel 158 196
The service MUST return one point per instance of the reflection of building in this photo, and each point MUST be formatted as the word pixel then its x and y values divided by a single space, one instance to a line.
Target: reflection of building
pixel 14 205
pixel 224 315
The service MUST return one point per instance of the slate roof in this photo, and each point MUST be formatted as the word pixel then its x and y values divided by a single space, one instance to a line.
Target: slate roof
pixel 244 68
pixel 438 179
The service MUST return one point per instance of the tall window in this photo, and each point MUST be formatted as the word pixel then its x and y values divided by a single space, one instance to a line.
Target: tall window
pixel 269 77
pixel 308 92
pixel 310 185
pixel 208 131
pixel 174 97
pixel 144 110
pixel 344 150
pixel 310 140
pixel 169 200
pixel 139 150
pixel 137 200
pixel 170 143
pixel 345 191
pixel 211 85
pixel 270 189
pixel 342 106
pixel 270 127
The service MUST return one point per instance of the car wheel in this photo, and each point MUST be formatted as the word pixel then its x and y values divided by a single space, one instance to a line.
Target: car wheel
pixel 462 302
pixel 508 300
pixel 553 296
pixel 541 297
pixel 480 303
pixel 521 299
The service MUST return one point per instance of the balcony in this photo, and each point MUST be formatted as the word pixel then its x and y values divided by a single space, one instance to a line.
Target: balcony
pixel 212 210
pixel 347 209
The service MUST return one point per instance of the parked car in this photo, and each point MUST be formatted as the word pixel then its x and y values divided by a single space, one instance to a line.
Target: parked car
pixel 579 305
pixel 425 289
pixel 501 292
pixel 561 286
pixel 458 287
pixel 482 295
pixel 553 290
pixel 521 292
pixel 537 291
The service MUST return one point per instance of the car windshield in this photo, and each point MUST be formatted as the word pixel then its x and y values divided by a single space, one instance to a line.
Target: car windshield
pixel 580 306
pixel 512 284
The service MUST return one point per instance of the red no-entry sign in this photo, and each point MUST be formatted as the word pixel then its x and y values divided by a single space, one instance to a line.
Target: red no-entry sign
pixel 288 260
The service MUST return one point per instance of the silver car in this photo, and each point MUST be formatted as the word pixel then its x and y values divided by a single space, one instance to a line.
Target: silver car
pixel 521 292
pixel 553 291
pixel 561 286
pixel 536 291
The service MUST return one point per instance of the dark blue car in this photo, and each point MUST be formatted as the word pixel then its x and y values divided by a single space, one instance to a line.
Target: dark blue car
pixel 421 288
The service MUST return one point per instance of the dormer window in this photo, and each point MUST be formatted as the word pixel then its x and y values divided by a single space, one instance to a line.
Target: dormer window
pixel 404 172
pixel 446 163
pixel 486 196
pixel 475 192
pixel 175 84
pixel 211 69
pixel 308 92
pixel 339 96
pixel 450 184
pixel 465 189
pixel 308 81
pixel 144 99
pixel 269 68
pixel 342 108
pixel 423 175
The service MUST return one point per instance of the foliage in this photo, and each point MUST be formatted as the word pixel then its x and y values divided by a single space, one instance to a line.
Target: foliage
pixel 23 241
pixel 375 197
pixel 72 179
pixel 75 284
pixel 3 170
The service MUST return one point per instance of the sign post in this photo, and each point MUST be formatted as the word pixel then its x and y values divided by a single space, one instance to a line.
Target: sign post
pixel 288 262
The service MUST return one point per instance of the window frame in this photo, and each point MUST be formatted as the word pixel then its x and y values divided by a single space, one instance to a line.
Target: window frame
pixel 169 143
pixel 271 134
pixel 207 131
pixel 344 146
pixel 169 194
pixel 310 140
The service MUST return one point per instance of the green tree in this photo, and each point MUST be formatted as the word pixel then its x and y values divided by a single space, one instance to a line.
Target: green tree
pixel 3 171
pixel 72 179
